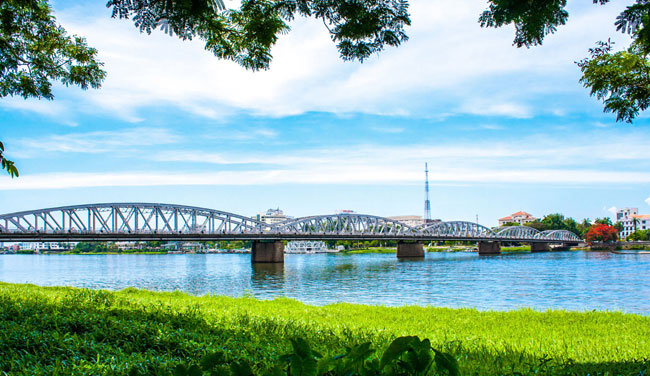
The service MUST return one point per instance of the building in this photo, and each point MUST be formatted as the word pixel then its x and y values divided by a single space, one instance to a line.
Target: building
pixel 409 220
pixel 631 221
pixel 44 246
pixel 272 216
pixel 625 214
pixel 520 217
pixel 413 220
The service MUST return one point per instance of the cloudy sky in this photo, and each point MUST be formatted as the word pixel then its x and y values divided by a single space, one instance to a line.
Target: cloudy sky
pixel 503 129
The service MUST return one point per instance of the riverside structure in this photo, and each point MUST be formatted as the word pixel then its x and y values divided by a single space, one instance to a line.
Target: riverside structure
pixel 165 222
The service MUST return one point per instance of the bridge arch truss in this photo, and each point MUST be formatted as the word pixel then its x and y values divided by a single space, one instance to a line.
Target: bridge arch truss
pixel 458 230
pixel 345 224
pixel 128 219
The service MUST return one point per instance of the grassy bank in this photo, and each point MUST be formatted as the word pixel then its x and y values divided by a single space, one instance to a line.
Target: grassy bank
pixel 368 250
pixel 46 331
pixel 522 248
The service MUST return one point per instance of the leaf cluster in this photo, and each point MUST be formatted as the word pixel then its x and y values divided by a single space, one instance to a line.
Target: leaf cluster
pixel 621 79
pixel 37 51
pixel 246 35
pixel 405 356
pixel 533 20
pixel 6 164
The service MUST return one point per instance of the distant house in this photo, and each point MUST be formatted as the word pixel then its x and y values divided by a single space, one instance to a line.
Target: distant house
pixel 631 221
pixel 520 217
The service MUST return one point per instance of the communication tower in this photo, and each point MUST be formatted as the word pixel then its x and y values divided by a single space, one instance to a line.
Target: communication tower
pixel 427 203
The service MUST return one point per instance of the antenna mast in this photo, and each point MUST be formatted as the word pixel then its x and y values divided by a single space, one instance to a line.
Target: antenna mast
pixel 427 203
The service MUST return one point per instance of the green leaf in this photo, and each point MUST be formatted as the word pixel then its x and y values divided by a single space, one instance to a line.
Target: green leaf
pixel 301 347
pixel 398 347
pixel 180 370
pixel 194 370
pixel 241 369
pixel 210 361
pixel 447 362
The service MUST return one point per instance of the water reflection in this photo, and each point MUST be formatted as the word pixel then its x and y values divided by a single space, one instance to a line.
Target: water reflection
pixel 267 276
pixel 571 280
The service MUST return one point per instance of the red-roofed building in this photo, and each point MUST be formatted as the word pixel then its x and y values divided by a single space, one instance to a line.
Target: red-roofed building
pixel 520 217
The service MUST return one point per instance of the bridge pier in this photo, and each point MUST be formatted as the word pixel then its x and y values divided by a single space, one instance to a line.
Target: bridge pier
pixel 405 249
pixel 489 248
pixel 562 247
pixel 267 252
pixel 540 247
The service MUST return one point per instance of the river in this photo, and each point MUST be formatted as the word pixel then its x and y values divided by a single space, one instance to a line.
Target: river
pixel 568 280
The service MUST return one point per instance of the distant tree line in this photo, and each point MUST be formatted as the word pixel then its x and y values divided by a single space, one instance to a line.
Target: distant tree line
pixel 557 221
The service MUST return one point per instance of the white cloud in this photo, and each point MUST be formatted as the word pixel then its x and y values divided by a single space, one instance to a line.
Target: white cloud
pixel 647 200
pixel 95 142
pixel 508 109
pixel 529 161
pixel 350 174
pixel 448 58
pixel 389 130
pixel 612 210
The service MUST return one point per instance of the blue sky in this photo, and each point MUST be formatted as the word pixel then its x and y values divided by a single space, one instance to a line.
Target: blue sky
pixel 503 129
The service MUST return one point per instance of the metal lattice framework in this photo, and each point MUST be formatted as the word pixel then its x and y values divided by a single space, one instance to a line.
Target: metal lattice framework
pixel 527 233
pixel 458 229
pixel 517 232
pixel 127 218
pixel 345 224
pixel 142 221
pixel 559 235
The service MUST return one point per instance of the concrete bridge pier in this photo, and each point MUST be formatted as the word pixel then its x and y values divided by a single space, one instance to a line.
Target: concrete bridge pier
pixel 405 249
pixel 540 247
pixel 489 248
pixel 267 252
pixel 562 247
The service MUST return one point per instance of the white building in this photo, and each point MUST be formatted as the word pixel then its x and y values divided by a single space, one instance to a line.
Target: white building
pixel 520 217
pixel 272 216
pixel 44 246
pixel 631 220
pixel 624 214
pixel 409 220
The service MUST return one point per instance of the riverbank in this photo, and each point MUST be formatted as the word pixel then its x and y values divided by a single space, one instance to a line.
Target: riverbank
pixel 523 248
pixel 84 332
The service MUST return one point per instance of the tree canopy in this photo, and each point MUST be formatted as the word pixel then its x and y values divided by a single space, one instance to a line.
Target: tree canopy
pixel 35 50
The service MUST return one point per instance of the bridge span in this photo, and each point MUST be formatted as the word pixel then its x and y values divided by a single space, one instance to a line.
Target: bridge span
pixel 166 222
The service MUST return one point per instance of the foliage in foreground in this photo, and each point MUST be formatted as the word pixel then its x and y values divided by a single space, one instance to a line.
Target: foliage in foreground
pixel 406 355
pixel 65 331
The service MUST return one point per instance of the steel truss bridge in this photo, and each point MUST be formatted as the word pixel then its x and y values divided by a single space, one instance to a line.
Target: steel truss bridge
pixel 142 222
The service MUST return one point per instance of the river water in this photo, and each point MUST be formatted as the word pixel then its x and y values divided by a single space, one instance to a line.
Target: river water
pixel 569 280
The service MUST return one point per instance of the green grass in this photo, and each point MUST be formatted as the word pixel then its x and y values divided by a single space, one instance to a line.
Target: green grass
pixel 368 250
pixel 125 252
pixel 523 248
pixel 61 330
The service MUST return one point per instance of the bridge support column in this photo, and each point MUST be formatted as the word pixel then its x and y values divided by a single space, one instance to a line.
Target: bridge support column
pixel 540 247
pixel 409 250
pixel 489 248
pixel 562 247
pixel 267 252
